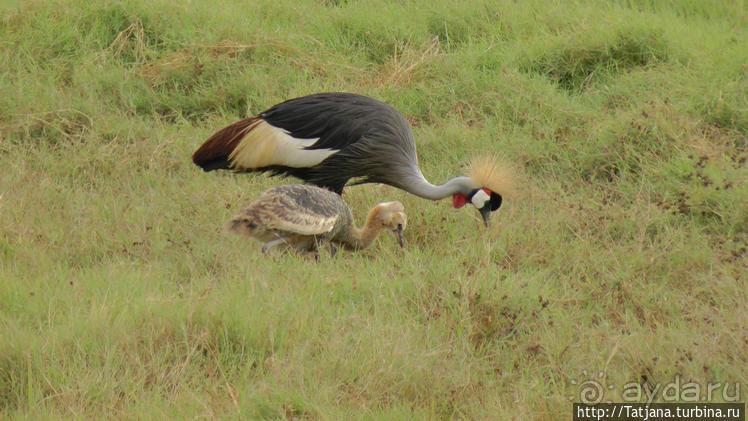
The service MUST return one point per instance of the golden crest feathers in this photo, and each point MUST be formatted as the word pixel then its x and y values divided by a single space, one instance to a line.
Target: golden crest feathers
pixel 493 174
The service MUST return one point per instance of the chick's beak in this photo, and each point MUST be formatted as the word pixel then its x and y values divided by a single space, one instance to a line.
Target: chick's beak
pixel 399 234
pixel 485 213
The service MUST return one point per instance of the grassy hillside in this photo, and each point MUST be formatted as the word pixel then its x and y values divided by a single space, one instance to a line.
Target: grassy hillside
pixel 622 255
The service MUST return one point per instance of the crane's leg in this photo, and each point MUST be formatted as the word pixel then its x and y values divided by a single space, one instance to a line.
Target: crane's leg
pixel 314 247
pixel 333 250
pixel 272 243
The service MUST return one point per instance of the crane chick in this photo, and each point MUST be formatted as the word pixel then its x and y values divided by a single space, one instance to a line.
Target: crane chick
pixel 304 216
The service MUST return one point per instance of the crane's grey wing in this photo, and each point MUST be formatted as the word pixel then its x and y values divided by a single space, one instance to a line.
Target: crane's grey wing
pixel 371 139
pixel 324 139
pixel 335 119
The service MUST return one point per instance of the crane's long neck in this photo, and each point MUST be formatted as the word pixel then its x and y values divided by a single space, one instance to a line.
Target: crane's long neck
pixel 361 238
pixel 419 186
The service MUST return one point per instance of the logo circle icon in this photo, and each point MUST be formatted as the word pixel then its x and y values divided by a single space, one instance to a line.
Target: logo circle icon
pixel 591 392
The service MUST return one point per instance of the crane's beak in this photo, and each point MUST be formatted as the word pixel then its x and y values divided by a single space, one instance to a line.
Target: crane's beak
pixel 485 213
pixel 399 234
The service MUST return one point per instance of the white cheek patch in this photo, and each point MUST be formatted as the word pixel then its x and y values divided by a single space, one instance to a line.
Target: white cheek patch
pixel 480 198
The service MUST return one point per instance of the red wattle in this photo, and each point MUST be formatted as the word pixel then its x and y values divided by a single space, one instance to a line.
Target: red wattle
pixel 458 200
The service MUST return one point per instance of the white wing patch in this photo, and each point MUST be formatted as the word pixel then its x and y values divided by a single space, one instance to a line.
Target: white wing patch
pixel 265 145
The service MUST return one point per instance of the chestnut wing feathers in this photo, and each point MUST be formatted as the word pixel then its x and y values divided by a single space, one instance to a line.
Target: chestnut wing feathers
pixel 214 152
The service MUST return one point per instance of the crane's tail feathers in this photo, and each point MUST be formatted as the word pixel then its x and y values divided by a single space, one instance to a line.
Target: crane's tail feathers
pixel 496 175
pixel 214 154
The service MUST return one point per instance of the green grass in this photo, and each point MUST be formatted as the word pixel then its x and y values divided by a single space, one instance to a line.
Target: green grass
pixel 624 251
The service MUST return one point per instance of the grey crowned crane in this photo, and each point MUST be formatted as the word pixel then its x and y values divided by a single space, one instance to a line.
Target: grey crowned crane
pixel 328 139
pixel 301 216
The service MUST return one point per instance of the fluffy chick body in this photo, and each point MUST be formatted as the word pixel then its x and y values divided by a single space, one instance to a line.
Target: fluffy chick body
pixel 304 216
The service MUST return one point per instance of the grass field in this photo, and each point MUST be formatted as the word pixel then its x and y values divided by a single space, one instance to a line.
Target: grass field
pixel 620 258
